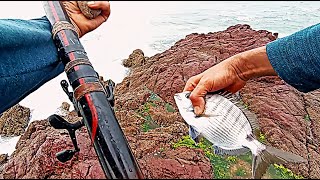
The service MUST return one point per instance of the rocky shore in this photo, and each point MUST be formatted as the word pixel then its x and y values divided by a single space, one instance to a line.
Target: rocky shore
pixel 145 109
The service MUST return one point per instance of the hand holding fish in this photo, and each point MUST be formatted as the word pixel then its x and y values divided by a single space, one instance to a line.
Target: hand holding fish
pixel 221 118
pixel 231 129
pixel 229 75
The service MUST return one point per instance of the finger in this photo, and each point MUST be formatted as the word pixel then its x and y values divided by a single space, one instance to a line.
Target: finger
pixel 104 6
pixel 192 82
pixel 197 97
pixel 97 21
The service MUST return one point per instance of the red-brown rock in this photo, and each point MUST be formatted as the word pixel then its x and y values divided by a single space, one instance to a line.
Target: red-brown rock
pixel 146 96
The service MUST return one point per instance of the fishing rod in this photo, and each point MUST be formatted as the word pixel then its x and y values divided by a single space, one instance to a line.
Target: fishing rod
pixel 92 101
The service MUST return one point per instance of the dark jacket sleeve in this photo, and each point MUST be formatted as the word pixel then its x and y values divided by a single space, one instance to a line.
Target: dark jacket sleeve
pixel 296 58
pixel 28 58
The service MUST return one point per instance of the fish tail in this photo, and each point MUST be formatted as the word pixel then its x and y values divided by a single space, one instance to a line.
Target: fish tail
pixel 270 155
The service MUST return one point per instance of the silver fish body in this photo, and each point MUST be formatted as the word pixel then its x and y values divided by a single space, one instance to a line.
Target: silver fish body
pixel 230 128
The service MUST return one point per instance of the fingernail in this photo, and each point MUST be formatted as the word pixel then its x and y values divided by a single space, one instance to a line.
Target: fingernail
pixel 90 2
pixel 197 110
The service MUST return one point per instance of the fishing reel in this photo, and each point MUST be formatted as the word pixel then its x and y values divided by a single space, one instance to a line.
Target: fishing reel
pixel 59 122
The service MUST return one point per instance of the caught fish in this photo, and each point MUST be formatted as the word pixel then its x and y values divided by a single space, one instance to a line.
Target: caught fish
pixel 230 128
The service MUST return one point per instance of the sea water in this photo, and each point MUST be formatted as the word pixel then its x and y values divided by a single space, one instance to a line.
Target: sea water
pixel 153 27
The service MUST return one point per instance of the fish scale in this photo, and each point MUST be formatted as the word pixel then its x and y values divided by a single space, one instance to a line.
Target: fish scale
pixel 222 129
pixel 231 111
pixel 218 135
pixel 229 126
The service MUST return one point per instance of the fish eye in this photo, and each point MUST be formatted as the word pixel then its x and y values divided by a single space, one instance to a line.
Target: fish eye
pixel 188 95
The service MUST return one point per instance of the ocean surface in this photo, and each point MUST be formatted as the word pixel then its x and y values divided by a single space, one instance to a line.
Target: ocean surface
pixel 153 27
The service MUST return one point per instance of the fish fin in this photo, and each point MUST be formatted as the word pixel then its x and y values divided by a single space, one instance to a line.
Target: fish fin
pixel 235 98
pixel 252 117
pixel 227 94
pixel 271 155
pixel 194 134
pixel 220 151
pixel 207 115
pixel 221 91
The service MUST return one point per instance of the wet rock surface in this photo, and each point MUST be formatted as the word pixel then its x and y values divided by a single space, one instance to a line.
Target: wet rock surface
pixel 146 111
pixel 14 121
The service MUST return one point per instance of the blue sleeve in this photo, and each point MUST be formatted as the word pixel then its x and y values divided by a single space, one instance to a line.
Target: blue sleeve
pixel 296 58
pixel 28 58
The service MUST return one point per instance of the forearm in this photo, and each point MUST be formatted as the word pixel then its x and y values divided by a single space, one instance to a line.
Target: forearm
pixel 28 58
pixel 296 58
pixel 252 63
